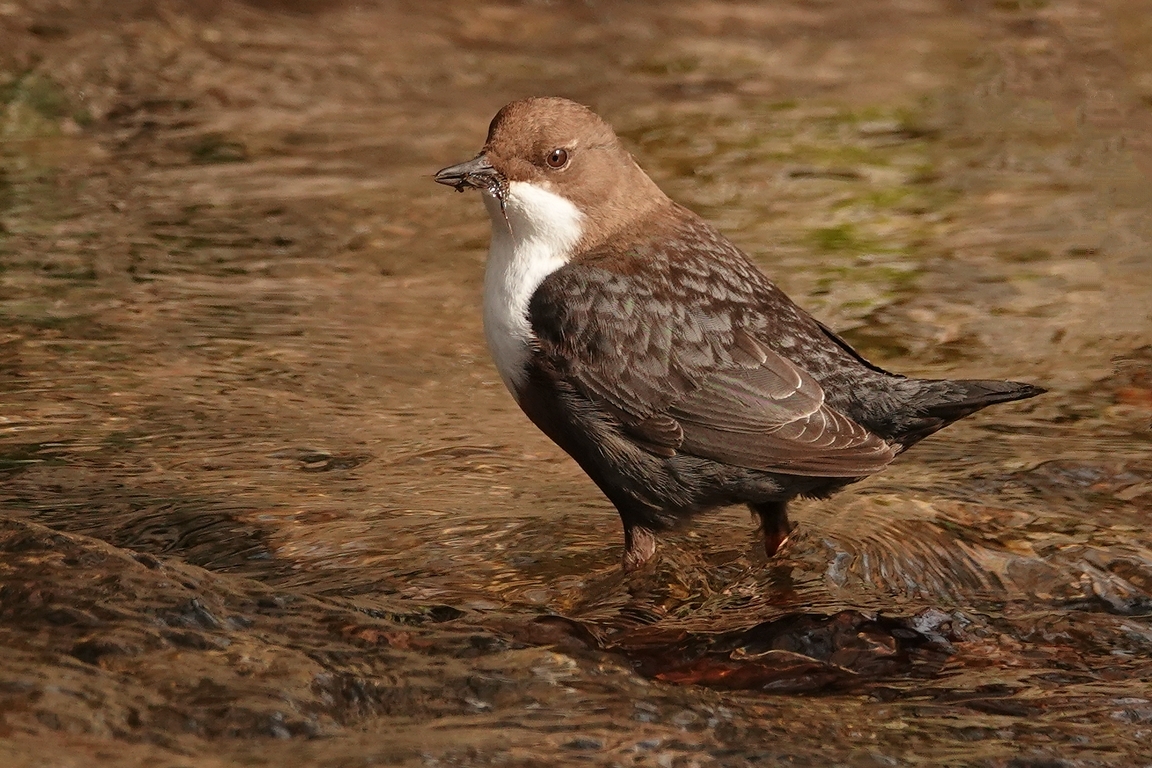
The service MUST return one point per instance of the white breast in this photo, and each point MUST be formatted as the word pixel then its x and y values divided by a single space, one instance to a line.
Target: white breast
pixel 538 238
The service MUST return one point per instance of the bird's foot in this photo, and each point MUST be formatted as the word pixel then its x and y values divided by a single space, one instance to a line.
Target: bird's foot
pixel 773 540
pixel 774 524
pixel 639 547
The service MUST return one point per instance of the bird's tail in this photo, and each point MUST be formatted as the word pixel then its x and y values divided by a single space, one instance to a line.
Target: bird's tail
pixel 939 403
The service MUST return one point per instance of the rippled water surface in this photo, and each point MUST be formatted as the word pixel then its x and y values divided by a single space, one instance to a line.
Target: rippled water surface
pixel 264 500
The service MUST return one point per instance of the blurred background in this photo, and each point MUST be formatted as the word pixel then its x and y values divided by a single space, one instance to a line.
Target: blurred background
pixel 264 500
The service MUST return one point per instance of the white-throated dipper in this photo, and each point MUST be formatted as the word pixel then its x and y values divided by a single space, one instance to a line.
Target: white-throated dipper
pixel 650 349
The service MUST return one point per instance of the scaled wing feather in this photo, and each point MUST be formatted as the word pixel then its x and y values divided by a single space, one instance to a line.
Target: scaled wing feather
pixel 693 372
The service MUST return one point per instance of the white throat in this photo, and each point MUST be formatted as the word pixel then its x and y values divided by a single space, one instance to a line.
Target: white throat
pixel 538 238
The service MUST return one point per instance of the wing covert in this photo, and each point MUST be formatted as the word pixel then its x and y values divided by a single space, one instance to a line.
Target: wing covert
pixel 682 373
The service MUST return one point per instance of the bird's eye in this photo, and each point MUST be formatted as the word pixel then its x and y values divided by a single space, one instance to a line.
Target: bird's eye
pixel 558 158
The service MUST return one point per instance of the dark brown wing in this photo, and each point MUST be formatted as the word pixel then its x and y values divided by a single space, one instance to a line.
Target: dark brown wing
pixel 666 352
pixel 774 418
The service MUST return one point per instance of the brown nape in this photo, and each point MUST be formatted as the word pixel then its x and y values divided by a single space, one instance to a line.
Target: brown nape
pixel 601 178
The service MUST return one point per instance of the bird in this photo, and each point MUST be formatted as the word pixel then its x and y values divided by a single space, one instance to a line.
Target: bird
pixel 652 350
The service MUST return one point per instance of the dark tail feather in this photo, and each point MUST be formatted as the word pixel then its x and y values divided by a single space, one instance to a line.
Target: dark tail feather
pixel 955 399
pixel 940 403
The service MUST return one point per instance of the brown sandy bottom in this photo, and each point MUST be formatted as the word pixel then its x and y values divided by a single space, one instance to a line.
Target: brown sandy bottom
pixel 264 501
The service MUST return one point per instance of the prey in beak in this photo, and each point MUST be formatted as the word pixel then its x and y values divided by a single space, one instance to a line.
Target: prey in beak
pixel 476 173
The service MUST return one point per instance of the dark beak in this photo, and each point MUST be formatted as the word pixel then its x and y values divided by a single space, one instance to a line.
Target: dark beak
pixel 475 173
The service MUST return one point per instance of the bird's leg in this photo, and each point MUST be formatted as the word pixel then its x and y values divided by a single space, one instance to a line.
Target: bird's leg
pixel 773 523
pixel 639 546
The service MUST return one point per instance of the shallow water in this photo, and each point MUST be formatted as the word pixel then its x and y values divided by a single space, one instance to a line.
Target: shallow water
pixel 263 497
